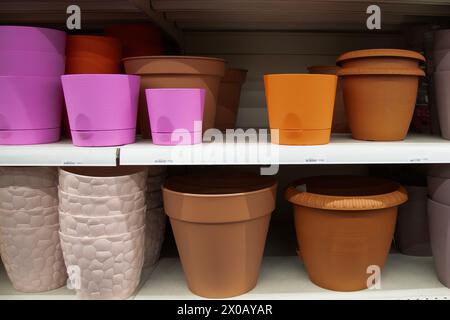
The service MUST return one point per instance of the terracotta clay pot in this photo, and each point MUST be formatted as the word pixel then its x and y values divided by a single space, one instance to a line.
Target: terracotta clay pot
pixel 441 82
pixel 300 107
pixel 177 72
pixel 344 226
pixel 228 101
pixel 220 224
pixel 339 124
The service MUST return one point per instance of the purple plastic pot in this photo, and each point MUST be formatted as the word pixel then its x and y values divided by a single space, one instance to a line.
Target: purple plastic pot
pixel 102 108
pixel 439 189
pixel 30 109
pixel 176 115
pixel 442 39
pixel 442 83
pixel 442 60
pixel 32 39
pixel 29 63
pixel 439 221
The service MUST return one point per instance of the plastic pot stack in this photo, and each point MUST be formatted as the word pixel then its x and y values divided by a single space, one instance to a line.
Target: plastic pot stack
pixel 29 240
pixel 102 217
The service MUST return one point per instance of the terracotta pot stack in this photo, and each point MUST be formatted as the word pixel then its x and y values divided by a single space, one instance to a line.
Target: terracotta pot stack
pixel 29 240
pixel 344 226
pixel 102 217
pixel 441 57
pixel 380 91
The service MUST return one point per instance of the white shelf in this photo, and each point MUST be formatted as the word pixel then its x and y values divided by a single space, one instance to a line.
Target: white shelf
pixel 342 150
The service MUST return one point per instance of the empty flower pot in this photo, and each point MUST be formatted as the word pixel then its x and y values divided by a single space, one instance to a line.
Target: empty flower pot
pixel 26 198
pixel 439 221
pixel 33 259
pixel 442 40
pixel 155 228
pixel 344 227
pixel 32 177
pixel 107 267
pixel 31 109
pixel 32 39
pixel 228 100
pixel 32 218
pixel 412 235
pixel 300 107
pixel 390 59
pixel 102 108
pixel 178 72
pixel 220 224
pixel 441 82
pixel 339 123
pixel 175 115
pixel 441 60
pixel 31 63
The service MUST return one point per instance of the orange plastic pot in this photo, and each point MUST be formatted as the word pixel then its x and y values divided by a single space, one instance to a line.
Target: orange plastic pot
pixel 229 96
pixel 300 107
pixel 177 72
pixel 339 123
pixel 220 224
pixel 344 227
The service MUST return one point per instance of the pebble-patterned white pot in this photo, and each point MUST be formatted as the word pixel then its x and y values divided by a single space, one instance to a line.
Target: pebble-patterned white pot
pixel 154 235
pixel 157 171
pixel 109 267
pixel 85 226
pixel 33 259
pixel 154 199
pixel 29 218
pixel 154 183
pixel 101 206
pixel 25 198
pixel 31 177
pixel 102 181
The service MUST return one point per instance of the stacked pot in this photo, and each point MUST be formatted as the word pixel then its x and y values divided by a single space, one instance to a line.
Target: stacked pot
pixel 380 91
pixel 31 63
pixel 439 219
pixel 29 240
pixel 102 218
pixel 441 56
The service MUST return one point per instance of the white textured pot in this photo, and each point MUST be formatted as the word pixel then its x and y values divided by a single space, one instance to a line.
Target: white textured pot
pixel 25 198
pixel 154 235
pixel 31 177
pixel 29 218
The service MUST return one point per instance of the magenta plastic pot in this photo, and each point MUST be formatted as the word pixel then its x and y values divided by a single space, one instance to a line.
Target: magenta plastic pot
pixel 32 39
pixel 176 115
pixel 442 60
pixel 102 108
pixel 30 109
pixel 442 87
pixel 439 221
pixel 30 63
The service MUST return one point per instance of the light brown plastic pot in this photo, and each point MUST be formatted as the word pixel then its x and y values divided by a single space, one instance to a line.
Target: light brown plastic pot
pixel 220 224
pixel 344 226
pixel 177 72
pixel 229 96
pixel 340 123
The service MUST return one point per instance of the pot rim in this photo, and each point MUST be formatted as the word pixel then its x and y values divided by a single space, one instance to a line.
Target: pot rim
pixel 306 75
pixel 381 71
pixel 139 170
pixel 70 195
pixel 132 234
pixel 218 195
pixel 100 75
pixel 31 27
pixel 78 216
pixel 173 58
pixel 434 202
pixel 376 53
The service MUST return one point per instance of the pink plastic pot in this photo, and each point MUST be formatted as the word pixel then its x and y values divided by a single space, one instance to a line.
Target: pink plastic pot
pixel 176 115
pixel 29 63
pixel 32 39
pixel 30 109
pixel 102 108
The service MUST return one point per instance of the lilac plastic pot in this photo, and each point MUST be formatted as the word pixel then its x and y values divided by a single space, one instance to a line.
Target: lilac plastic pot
pixel 442 60
pixel 32 39
pixel 439 222
pixel 439 189
pixel 442 93
pixel 176 115
pixel 102 108
pixel 30 109
pixel 29 63
pixel 442 39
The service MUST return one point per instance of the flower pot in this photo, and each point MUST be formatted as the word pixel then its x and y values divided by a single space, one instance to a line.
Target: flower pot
pixel 441 60
pixel 220 224
pixel 178 72
pixel 109 267
pixel 300 107
pixel 97 65
pixel 344 225
pixel 439 221
pixel 32 112
pixel 138 39
pixel 94 206
pixel 229 96
pixel 94 46
pixel 412 235
pixel 155 229
pixel 32 39
pixel 102 109
pixel 175 115
pixel 442 40
pixel 339 123
pixel 441 82
pixel 102 181
pixel 439 189
pixel 32 258
pixel 25 198
pixel 32 177
pixel 33 218
pixel 31 63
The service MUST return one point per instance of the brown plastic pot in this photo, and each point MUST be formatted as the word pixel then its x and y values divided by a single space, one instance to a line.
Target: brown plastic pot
pixel 381 58
pixel 339 124
pixel 228 101
pixel 344 225
pixel 220 224
pixel 177 72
